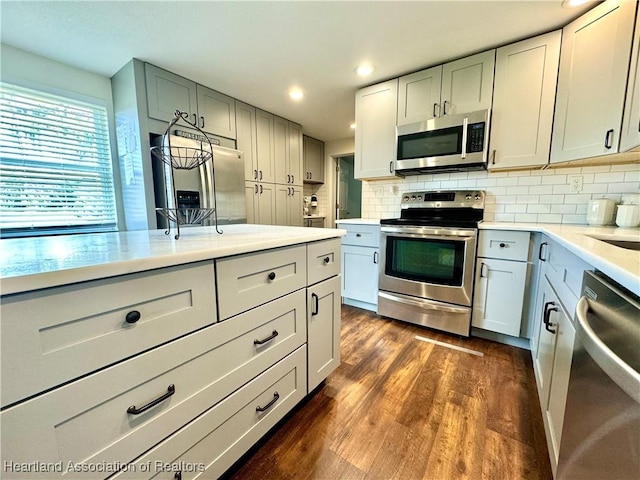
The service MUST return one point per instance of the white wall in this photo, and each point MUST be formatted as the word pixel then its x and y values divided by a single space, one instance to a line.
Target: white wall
pixel 34 71
pixel 522 196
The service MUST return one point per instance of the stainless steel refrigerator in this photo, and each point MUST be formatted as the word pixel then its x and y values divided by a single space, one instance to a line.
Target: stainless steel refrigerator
pixel 194 188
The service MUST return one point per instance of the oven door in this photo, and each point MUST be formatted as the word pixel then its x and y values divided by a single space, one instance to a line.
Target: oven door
pixel 429 263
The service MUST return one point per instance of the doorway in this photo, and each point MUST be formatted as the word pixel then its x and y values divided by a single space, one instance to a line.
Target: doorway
pixel 348 189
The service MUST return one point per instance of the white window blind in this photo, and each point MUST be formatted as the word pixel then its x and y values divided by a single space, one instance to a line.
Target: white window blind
pixel 55 164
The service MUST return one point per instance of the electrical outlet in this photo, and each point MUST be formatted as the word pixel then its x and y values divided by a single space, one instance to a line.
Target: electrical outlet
pixel 575 183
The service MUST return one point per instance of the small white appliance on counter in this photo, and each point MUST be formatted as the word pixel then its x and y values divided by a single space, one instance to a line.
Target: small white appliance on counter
pixel 600 211
pixel 194 188
pixel 628 216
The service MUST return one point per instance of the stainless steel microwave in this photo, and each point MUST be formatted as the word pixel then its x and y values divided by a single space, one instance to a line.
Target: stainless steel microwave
pixel 449 143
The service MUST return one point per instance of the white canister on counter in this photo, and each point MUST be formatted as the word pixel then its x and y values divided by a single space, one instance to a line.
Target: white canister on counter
pixel 628 216
pixel 600 211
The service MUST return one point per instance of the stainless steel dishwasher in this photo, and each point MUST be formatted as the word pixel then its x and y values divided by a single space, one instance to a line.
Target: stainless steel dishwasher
pixel 601 431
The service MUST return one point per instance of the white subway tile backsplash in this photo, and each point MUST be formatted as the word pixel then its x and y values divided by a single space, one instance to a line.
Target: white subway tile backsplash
pixel 576 199
pixel 538 208
pixel 526 217
pixel 561 189
pixel 620 187
pixel 506 181
pixel 574 219
pixel 563 208
pixel 609 177
pixel 541 189
pixel 504 217
pixel 598 169
pixel 554 180
pixel 549 218
pixel 551 199
pixel 515 208
pixel 523 196
pixel 594 188
pixel 632 176
pixel 526 199
pixel 533 180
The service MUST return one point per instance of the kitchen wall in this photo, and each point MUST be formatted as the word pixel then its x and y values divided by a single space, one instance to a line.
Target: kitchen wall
pixel 39 73
pixel 521 196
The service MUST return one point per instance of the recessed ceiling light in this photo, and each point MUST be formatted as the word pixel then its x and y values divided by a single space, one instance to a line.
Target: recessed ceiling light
pixel 296 94
pixel 364 69
pixel 573 3
pixel 352 126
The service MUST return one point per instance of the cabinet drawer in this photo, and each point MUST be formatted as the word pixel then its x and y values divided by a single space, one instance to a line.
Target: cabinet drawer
pixel 323 260
pixel 504 245
pixel 256 278
pixel 87 421
pixel 564 271
pixel 215 440
pixel 361 235
pixel 55 335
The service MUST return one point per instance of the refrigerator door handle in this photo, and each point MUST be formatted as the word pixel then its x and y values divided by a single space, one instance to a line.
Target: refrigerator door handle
pixel 203 183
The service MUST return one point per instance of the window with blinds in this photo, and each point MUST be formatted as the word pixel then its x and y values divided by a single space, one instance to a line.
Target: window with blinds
pixel 55 165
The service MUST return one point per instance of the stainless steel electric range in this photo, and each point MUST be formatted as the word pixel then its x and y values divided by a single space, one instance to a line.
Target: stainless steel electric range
pixel 428 257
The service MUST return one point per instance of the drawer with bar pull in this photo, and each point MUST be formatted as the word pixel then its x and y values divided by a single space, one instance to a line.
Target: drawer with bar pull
pixel 113 415
pixel 54 335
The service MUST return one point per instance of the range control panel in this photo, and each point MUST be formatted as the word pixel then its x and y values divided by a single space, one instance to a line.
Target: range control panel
pixel 443 199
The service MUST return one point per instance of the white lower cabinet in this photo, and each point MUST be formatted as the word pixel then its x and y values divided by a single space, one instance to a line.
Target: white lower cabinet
pixel 323 330
pixel 499 294
pixel 500 281
pixel 193 403
pixel 209 445
pixel 360 265
pixel 552 366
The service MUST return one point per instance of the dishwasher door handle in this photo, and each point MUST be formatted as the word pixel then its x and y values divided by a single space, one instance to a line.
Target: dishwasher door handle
pixel 625 376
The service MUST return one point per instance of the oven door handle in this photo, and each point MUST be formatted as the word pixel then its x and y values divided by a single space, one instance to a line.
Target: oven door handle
pixel 464 238
pixel 427 232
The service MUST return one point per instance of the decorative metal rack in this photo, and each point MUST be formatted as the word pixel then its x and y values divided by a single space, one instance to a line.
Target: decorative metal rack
pixel 178 157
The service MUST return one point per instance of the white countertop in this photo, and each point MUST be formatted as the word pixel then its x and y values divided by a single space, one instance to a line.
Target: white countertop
pixel 313 216
pixel 359 221
pixel 42 262
pixel 620 264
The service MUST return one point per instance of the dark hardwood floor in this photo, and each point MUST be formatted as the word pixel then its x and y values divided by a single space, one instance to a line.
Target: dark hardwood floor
pixel 401 408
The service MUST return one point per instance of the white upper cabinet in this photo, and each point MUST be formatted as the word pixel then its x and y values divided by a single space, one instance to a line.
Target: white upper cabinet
pixel 247 139
pixel 630 135
pixel 167 92
pixel 287 142
pixel 265 147
pixel 375 136
pixel 419 95
pixel 462 86
pixel 296 156
pixel 467 84
pixel 523 99
pixel 216 112
pixel 594 63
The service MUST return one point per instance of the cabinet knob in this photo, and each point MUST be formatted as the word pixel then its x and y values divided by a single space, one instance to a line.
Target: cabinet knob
pixel 358 235
pixel 326 260
pixel 502 245
pixel 272 276
pixel 133 316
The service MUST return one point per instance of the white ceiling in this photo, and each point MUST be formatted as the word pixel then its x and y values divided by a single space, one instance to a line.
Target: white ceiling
pixel 256 51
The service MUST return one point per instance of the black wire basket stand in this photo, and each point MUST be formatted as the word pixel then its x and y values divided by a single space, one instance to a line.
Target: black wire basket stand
pixel 179 157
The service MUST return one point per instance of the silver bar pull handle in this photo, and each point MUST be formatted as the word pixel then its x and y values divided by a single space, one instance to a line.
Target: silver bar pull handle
pixel 465 124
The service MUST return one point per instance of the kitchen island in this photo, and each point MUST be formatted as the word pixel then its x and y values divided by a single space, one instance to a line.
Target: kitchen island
pixel 136 354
